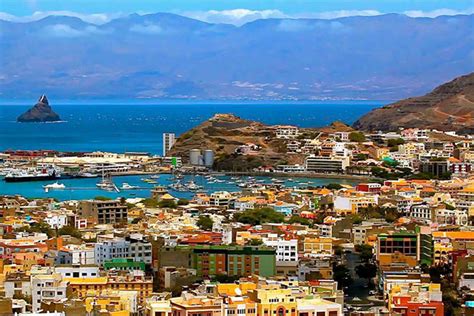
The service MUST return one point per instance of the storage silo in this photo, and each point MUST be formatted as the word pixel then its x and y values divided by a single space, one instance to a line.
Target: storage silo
pixel 194 156
pixel 208 158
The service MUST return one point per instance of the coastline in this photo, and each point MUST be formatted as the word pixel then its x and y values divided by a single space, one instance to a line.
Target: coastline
pixel 311 175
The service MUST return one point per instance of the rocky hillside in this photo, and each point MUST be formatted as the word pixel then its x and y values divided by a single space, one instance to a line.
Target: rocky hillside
pixel 223 133
pixel 40 112
pixel 448 107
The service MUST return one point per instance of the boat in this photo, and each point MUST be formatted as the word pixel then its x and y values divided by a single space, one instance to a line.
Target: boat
pixel 126 186
pixel 87 175
pixel 155 176
pixel 33 174
pixel 193 186
pixel 54 186
pixel 151 181
pixel 107 184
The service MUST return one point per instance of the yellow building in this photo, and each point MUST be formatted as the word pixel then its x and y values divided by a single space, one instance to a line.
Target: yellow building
pixel 84 287
pixel 317 245
pixel 116 303
pixel 274 301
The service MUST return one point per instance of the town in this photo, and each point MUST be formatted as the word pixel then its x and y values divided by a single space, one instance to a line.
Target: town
pixel 242 227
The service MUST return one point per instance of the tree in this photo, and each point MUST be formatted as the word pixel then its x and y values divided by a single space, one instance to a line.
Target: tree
pixel 357 137
pixel 300 220
pixel 333 186
pixel 259 216
pixel 255 242
pixel 205 222
pixel 183 202
pixel 393 143
pixel 366 271
pixel 102 198
pixel 69 230
pixel 167 204
pixel 342 276
pixel 365 252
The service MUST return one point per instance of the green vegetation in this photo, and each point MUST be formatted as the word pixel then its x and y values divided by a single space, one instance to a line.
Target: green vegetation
pixel 205 222
pixel 300 220
pixel 70 230
pixel 259 216
pixel 365 252
pixel 102 198
pixel 393 143
pixel 366 271
pixel 357 137
pixel 342 275
pixel 150 203
pixel 255 242
pixel 167 204
pixel 37 228
pixel 333 186
pixel 183 202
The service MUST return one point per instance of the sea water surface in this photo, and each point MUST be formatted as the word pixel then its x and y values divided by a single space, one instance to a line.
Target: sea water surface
pixel 85 188
pixel 119 126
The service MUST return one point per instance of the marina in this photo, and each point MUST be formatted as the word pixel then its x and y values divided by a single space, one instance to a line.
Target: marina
pixel 186 186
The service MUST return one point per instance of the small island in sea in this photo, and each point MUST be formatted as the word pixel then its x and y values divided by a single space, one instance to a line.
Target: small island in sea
pixel 40 112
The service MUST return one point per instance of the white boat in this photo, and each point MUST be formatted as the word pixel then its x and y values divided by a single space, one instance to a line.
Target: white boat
pixel 54 186
pixel 126 186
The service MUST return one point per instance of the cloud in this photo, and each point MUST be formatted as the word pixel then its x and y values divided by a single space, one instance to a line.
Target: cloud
pixel 64 30
pixel 94 18
pixel 236 16
pixel 146 28
pixel 340 14
pixel 436 13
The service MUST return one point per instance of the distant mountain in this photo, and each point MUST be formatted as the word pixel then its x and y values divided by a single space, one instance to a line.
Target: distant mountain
pixel 169 56
pixel 40 112
pixel 448 107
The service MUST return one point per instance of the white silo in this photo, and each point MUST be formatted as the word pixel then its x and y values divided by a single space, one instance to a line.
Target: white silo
pixel 195 157
pixel 208 158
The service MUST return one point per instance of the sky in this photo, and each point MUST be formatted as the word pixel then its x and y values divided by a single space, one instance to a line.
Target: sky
pixel 228 11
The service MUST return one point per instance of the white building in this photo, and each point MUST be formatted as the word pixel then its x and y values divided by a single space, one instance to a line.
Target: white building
pixel 77 271
pixel 287 131
pixel 220 198
pixel 56 220
pixel 168 141
pixel 132 247
pixel 45 287
pixel 286 250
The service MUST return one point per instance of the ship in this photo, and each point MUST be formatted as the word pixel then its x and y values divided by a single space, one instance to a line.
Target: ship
pixel 33 174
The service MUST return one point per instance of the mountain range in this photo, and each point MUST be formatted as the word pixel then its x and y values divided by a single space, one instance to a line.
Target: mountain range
pixel 165 55
pixel 449 107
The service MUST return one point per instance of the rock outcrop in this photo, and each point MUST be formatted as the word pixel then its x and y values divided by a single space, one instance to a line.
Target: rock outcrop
pixel 449 107
pixel 40 112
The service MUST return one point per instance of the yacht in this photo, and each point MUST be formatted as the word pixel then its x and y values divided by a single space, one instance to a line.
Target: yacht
pixel 126 186
pixel 54 186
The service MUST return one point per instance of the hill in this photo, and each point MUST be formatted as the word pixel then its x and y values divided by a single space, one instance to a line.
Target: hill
pixel 40 112
pixel 224 133
pixel 165 55
pixel 448 107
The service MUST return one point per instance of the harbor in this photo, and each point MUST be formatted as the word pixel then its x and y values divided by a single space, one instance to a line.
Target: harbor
pixel 87 188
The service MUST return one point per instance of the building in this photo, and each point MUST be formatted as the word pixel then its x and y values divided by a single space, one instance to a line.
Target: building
pixel 286 132
pixel 212 260
pixel 103 212
pixel 124 264
pixel 286 250
pixel 136 248
pixel 47 287
pixel 398 248
pixel 416 300
pixel 326 164
pixel 168 141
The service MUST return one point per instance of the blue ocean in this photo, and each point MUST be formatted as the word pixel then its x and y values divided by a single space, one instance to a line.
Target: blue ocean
pixel 119 126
